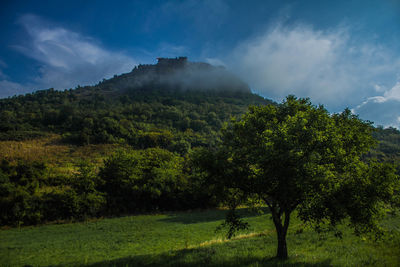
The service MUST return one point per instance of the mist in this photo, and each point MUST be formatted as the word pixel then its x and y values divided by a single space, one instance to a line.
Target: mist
pixel 176 75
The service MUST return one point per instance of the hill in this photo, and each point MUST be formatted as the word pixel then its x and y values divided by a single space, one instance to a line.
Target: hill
pixel 119 147
pixel 154 105
pixel 174 104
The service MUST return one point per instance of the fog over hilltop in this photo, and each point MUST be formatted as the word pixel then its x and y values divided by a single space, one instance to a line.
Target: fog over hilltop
pixel 177 74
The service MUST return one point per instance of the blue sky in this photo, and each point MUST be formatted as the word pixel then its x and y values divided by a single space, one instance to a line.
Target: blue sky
pixel 338 53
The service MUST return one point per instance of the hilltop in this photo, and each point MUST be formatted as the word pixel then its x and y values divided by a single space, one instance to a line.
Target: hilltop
pixel 175 74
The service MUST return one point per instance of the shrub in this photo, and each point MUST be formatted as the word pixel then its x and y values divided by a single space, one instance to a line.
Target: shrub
pixel 143 180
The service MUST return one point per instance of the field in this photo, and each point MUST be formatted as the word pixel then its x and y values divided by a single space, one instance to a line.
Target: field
pixel 189 239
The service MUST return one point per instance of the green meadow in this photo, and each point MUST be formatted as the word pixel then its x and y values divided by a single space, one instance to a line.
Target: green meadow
pixel 190 239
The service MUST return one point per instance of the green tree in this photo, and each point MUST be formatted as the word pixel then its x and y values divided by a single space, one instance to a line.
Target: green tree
pixel 142 180
pixel 296 156
pixel 85 184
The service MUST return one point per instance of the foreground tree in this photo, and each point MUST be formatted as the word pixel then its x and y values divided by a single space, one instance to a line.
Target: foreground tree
pixel 296 156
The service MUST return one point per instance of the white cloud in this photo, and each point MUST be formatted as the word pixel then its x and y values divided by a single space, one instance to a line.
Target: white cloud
pixel 66 58
pixel 393 93
pixel 383 110
pixel 328 66
pixel 379 88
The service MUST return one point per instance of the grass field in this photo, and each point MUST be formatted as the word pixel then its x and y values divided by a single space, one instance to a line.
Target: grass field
pixel 189 239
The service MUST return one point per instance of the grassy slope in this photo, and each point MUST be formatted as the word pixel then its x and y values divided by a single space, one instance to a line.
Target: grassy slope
pixel 59 157
pixel 51 150
pixel 188 239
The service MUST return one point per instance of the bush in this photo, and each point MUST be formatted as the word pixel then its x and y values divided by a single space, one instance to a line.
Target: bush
pixel 143 180
pixel 22 201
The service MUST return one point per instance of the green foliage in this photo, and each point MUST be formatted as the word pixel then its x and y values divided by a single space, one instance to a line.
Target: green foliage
pixel 27 197
pixel 18 192
pixel 61 204
pixel 150 179
pixel 130 181
pixel 86 183
pixel 155 117
pixel 234 224
pixel 298 156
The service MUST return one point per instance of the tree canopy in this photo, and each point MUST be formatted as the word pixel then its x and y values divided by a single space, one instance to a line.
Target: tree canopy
pixel 297 156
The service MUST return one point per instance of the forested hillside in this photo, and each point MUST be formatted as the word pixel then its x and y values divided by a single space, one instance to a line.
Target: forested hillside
pixel 173 105
pixel 388 148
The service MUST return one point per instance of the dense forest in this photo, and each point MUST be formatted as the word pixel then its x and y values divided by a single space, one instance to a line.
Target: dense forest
pixel 158 116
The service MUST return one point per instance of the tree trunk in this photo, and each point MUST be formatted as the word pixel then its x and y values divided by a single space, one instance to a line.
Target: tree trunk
pixel 281 231
pixel 282 248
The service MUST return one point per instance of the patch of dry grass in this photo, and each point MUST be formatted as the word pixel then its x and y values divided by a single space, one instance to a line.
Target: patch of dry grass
pixel 238 237
pixel 54 152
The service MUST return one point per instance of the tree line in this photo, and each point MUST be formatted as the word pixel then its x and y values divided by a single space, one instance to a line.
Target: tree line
pixel 129 181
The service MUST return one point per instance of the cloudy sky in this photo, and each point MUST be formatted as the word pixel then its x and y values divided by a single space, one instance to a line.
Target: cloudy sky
pixel 340 53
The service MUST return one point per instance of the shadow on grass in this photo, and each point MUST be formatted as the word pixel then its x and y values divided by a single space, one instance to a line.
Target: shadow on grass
pixel 209 215
pixel 206 256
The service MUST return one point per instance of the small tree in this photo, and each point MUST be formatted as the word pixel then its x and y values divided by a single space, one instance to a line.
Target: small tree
pixel 296 156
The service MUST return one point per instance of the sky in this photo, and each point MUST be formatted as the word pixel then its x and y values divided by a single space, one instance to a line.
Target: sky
pixel 342 54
